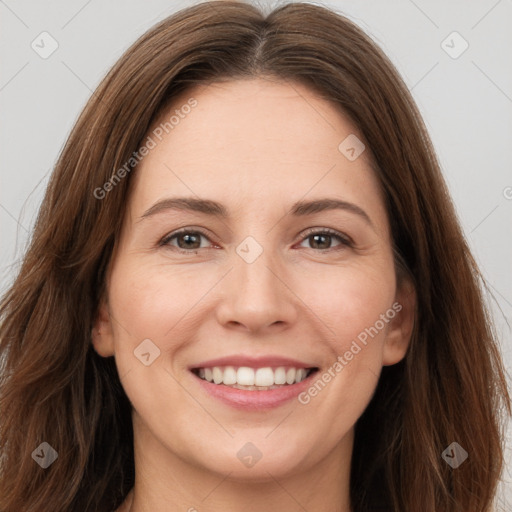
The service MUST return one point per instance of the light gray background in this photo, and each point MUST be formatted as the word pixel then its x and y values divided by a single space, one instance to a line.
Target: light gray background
pixel 466 103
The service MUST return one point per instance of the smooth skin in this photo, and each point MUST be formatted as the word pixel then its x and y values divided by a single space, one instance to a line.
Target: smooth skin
pixel 256 146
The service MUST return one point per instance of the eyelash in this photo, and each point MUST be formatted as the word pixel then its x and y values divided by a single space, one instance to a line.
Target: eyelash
pixel 345 240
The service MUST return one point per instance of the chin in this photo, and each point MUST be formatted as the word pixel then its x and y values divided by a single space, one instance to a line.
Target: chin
pixel 246 464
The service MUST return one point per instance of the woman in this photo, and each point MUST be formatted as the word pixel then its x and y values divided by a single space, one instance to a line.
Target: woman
pixel 247 289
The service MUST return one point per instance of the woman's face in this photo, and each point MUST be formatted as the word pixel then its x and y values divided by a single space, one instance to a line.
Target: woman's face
pixel 253 281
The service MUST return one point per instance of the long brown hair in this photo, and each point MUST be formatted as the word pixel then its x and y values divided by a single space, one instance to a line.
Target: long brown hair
pixel 55 388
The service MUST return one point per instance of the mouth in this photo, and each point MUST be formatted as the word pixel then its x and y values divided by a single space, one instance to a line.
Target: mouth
pixel 253 383
pixel 247 378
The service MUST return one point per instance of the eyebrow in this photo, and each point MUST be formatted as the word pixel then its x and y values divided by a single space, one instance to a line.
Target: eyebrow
pixel 213 208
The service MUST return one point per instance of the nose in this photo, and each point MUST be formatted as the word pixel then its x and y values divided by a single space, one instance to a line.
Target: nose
pixel 256 296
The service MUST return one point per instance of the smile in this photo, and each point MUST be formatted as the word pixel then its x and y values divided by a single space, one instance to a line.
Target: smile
pixel 253 379
pixel 253 388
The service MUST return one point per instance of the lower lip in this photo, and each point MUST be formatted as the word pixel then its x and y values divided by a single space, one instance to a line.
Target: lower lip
pixel 254 400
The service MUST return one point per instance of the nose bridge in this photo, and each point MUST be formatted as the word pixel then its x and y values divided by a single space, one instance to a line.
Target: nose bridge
pixel 253 264
pixel 256 296
pixel 253 269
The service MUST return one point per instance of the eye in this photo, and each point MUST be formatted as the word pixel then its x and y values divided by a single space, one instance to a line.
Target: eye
pixel 188 240
pixel 322 238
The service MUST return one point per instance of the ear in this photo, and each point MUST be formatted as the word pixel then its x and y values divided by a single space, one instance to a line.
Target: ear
pixel 102 332
pixel 401 326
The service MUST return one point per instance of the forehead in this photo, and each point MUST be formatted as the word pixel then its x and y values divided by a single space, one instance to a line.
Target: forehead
pixel 245 117
pixel 249 142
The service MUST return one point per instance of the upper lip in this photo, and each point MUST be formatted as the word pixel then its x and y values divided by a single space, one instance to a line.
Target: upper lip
pixel 252 362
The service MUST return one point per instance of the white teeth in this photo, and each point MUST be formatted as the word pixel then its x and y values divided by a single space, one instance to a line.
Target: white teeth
pixel 290 376
pixel 279 375
pixel 264 377
pixel 217 375
pixel 245 377
pixel 229 377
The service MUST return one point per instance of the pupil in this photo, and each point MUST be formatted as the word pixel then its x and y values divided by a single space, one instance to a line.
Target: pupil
pixel 316 237
pixel 189 238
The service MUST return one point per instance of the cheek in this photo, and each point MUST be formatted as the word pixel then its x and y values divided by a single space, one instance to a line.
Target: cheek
pixel 349 301
pixel 357 308
pixel 150 300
